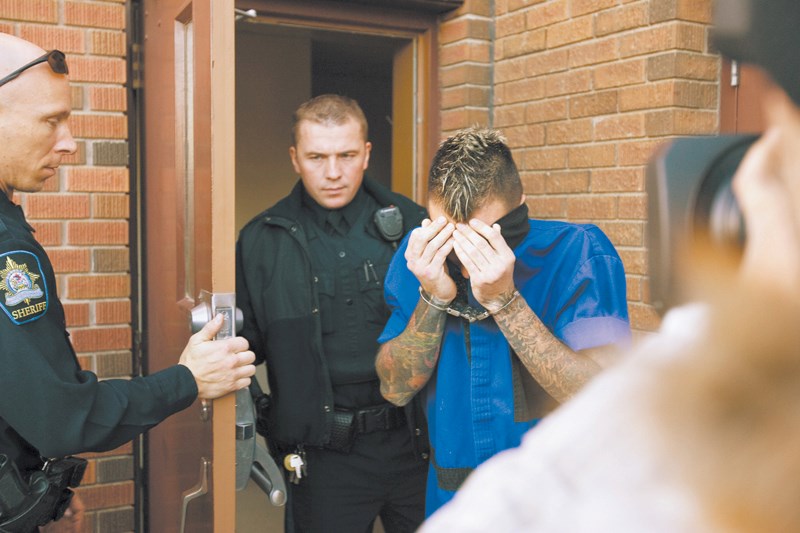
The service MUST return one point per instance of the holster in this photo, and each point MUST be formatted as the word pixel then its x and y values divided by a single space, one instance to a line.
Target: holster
pixel 347 425
pixel 262 403
pixel 343 431
pixel 42 498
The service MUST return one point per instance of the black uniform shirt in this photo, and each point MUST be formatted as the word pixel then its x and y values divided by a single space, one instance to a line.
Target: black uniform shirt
pixel 350 263
pixel 48 405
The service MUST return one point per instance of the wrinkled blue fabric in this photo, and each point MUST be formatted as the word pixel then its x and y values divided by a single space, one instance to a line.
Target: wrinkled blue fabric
pixel 572 278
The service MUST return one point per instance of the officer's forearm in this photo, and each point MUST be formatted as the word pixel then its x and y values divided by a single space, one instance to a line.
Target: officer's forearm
pixel 405 363
pixel 558 369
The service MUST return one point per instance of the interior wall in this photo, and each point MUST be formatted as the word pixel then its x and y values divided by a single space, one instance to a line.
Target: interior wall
pixel 275 73
pixel 273 77
pixel 363 73
pixel 264 105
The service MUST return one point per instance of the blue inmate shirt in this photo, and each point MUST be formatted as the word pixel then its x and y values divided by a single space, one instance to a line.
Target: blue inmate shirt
pixel 573 279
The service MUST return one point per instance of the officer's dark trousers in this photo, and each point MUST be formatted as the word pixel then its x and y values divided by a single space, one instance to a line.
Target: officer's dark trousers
pixel 344 493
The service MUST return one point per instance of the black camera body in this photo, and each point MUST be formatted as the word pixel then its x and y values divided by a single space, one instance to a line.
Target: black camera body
pixel 690 198
pixel 689 180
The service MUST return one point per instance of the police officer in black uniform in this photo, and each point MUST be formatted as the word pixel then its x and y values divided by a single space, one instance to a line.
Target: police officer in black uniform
pixel 49 407
pixel 310 275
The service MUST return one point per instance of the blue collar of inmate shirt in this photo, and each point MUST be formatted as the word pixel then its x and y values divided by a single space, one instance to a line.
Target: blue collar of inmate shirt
pixel 340 220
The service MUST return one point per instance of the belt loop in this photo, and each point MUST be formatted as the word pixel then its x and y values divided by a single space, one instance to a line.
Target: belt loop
pixel 361 422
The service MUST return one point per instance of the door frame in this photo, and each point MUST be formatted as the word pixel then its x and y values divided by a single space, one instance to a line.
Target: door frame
pixel 223 205
pixel 213 168
pixel 416 83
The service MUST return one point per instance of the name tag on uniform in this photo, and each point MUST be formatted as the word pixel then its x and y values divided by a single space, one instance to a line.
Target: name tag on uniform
pixel 23 290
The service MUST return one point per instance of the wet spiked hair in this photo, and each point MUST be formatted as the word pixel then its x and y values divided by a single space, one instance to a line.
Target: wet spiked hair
pixel 470 168
pixel 331 110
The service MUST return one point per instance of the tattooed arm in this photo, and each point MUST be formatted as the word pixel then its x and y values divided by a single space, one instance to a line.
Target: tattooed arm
pixel 490 264
pixel 559 370
pixel 405 363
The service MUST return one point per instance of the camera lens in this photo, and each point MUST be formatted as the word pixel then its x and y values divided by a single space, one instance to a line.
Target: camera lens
pixel 717 213
pixel 690 200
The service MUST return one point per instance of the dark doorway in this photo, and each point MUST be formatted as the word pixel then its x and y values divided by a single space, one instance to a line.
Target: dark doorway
pixel 360 67
pixel 279 67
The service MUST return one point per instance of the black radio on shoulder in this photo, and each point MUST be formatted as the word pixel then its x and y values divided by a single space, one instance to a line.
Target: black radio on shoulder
pixel 389 221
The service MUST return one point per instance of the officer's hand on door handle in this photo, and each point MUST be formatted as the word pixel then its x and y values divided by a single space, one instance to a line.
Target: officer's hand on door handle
pixel 218 366
pixel 252 460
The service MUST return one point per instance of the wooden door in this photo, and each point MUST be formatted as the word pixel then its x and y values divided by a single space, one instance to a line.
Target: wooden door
pixel 741 89
pixel 188 155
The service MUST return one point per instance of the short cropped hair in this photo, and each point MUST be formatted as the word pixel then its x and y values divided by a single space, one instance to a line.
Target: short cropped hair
pixel 330 110
pixel 470 168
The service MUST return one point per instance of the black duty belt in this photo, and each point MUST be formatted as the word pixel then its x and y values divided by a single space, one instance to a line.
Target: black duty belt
pixel 379 418
pixel 349 423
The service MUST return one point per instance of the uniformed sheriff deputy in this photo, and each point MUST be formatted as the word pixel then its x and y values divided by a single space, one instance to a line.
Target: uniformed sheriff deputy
pixel 49 407
pixel 309 281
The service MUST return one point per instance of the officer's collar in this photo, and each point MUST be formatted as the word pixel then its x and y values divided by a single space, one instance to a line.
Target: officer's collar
pixel 350 212
pixel 5 202
pixel 13 210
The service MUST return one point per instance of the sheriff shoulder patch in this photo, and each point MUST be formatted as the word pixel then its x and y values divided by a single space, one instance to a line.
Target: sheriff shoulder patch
pixel 23 289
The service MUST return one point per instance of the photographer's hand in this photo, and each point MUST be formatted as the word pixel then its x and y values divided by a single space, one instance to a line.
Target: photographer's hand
pixel 766 189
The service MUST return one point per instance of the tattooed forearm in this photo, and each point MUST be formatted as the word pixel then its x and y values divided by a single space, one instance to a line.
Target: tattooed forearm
pixel 405 363
pixel 559 370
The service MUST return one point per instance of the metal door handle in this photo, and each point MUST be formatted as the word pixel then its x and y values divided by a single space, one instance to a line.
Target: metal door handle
pixel 210 305
pixel 252 460
pixel 195 492
pixel 213 303
pixel 264 472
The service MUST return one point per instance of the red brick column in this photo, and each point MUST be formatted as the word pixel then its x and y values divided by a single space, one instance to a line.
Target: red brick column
pixel 465 62
pixel 82 215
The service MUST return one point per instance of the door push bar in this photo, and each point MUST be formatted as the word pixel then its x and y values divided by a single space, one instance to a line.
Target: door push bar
pixel 252 460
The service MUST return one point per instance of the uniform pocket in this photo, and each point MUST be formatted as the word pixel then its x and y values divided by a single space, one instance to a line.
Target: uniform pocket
pixel 371 276
pixel 326 289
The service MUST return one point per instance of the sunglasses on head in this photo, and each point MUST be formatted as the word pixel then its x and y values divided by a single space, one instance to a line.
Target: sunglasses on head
pixel 54 58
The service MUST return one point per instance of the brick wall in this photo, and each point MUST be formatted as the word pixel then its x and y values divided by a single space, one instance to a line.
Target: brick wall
pixel 584 90
pixel 82 215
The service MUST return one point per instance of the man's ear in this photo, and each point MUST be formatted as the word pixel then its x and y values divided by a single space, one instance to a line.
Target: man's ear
pixel 293 157
pixel 367 150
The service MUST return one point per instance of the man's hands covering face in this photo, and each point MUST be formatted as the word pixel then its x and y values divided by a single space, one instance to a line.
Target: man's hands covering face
pixel 484 255
pixel 488 260
pixel 428 248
